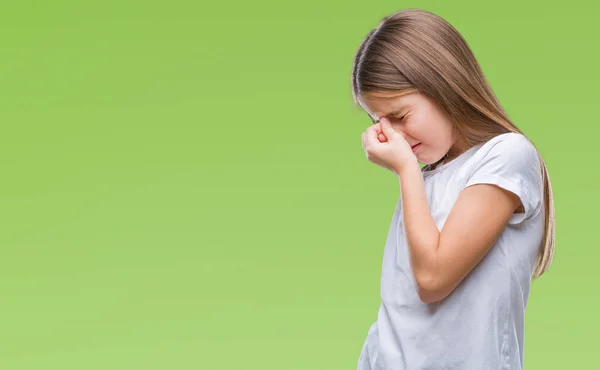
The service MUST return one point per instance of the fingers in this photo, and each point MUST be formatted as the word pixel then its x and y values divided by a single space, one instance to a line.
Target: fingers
pixel 380 135
pixel 371 133
pixel 378 128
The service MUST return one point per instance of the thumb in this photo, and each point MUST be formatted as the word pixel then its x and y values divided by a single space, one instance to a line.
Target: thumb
pixel 387 128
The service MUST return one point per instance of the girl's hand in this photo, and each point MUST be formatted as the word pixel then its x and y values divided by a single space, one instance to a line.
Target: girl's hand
pixel 387 148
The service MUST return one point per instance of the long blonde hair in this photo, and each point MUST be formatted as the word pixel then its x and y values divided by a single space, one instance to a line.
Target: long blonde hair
pixel 416 50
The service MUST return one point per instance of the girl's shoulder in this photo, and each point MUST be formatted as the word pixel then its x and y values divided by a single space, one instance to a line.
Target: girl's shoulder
pixel 512 162
pixel 509 149
pixel 509 138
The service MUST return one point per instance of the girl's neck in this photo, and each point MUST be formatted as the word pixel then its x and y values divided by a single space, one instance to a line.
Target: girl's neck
pixel 452 154
pixel 440 162
pixel 460 146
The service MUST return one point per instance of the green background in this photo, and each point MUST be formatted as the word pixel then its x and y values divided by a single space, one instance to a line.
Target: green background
pixel 184 187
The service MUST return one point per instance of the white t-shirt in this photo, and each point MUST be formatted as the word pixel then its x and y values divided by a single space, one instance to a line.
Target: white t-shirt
pixel 480 325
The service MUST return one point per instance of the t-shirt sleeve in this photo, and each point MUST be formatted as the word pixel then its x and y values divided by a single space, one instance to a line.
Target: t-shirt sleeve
pixel 512 163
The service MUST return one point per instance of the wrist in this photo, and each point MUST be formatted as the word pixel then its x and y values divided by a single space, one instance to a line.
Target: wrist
pixel 407 166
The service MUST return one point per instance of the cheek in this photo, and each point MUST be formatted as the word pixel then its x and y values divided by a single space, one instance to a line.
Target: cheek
pixel 424 136
pixel 397 128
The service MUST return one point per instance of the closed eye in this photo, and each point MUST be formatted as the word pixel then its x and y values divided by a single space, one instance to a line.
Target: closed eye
pixel 401 118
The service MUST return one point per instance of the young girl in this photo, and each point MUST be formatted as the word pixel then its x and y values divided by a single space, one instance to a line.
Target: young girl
pixel 473 227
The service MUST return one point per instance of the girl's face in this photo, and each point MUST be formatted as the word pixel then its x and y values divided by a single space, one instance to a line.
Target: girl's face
pixel 416 117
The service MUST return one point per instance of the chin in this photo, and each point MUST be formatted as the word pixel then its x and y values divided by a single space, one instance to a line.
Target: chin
pixel 429 160
pixel 424 161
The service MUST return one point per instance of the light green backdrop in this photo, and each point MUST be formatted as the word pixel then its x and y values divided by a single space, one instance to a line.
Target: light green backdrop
pixel 184 187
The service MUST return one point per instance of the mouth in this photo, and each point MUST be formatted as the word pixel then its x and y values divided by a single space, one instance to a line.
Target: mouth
pixel 415 147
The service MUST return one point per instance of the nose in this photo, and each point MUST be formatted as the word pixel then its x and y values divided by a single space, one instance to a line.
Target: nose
pixel 406 136
pixel 398 129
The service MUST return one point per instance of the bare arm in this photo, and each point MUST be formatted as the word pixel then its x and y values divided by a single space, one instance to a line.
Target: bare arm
pixel 441 260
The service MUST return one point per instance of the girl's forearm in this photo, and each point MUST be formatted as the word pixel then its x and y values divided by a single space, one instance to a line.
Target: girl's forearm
pixel 421 231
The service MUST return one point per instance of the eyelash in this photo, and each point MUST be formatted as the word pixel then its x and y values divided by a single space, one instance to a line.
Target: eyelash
pixel 398 118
